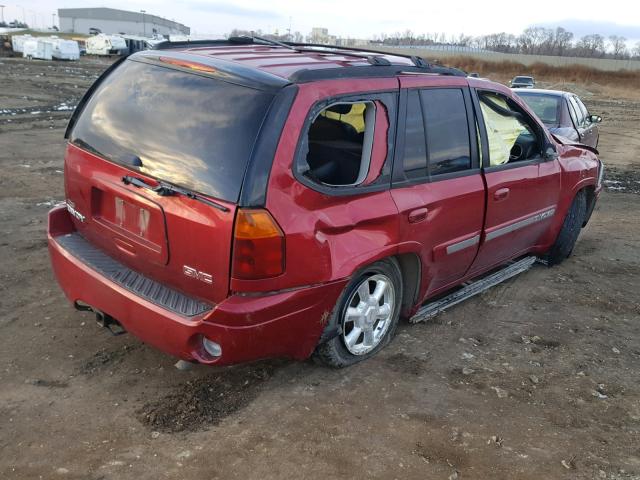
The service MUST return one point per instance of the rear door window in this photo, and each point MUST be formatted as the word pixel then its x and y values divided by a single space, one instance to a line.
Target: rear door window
pixel 415 146
pixel 583 109
pixel 572 113
pixel 187 129
pixel 579 113
pixel 447 128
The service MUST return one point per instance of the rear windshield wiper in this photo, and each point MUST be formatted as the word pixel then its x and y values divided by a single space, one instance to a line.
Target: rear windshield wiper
pixel 166 190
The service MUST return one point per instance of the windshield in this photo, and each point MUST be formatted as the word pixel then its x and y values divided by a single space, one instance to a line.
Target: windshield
pixel 546 107
pixel 523 80
pixel 187 129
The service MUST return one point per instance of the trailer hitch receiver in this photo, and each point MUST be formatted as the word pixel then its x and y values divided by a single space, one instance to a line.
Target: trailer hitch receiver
pixel 103 319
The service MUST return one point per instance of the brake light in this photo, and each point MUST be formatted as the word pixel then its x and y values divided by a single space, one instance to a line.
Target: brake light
pixel 188 64
pixel 258 246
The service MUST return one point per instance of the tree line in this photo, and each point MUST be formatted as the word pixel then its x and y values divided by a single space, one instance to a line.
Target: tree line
pixel 14 24
pixel 532 41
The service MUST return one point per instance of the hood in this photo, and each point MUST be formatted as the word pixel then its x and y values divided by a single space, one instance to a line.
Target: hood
pixel 570 143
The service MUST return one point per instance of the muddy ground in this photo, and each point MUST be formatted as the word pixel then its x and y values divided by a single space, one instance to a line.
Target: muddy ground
pixel 535 379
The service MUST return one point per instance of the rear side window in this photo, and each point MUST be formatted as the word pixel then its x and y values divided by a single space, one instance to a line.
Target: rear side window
pixel 445 117
pixel 339 142
pixel 191 130
pixel 345 144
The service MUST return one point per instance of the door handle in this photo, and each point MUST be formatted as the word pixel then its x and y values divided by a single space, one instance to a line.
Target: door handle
pixel 418 215
pixel 501 194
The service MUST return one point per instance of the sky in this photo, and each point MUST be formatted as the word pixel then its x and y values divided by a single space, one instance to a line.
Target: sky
pixel 365 18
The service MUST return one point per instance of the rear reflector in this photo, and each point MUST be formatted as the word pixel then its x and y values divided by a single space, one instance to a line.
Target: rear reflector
pixel 212 348
pixel 258 246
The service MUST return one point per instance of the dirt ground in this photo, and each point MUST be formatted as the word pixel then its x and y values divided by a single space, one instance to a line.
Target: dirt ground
pixel 535 379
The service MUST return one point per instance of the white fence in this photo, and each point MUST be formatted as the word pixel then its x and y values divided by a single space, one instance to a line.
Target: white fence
pixel 444 51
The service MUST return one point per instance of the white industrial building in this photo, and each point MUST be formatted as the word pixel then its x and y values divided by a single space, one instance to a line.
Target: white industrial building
pixel 110 20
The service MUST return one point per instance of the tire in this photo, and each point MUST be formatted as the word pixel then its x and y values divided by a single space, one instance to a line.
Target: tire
pixel 365 317
pixel 568 235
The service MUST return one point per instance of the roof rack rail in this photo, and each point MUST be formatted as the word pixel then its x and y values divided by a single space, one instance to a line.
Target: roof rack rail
pixel 309 75
pixel 168 44
pixel 420 65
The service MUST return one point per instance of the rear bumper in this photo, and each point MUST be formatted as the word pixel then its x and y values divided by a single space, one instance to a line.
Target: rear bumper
pixel 284 324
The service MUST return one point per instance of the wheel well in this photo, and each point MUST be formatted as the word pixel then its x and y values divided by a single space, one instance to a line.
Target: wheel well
pixel 410 269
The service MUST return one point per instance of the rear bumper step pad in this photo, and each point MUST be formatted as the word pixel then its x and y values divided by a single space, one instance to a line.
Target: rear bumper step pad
pixel 134 282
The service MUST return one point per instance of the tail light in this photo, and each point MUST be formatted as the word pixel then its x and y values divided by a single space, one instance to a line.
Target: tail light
pixel 258 246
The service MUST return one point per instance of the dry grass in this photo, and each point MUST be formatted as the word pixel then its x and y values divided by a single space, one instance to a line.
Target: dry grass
pixel 580 74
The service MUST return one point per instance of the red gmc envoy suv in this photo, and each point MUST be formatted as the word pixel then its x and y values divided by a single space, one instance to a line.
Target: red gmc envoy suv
pixel 233 200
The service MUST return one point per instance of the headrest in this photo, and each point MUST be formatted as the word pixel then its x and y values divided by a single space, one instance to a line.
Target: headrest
pixel 340 108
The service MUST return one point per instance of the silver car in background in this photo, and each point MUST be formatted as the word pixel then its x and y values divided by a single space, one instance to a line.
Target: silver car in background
pixel 564 114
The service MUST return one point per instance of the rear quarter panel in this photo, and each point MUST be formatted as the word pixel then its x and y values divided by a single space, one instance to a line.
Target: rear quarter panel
pixel 327 237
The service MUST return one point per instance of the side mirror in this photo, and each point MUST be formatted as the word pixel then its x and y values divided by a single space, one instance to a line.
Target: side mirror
pixel 550 153
pixel 596 118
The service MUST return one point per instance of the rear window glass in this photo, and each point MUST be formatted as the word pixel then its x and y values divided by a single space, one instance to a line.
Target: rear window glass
pixel 445 116
pixel 415 147
pixel 546 107
pixel 523 79
pixel 190 130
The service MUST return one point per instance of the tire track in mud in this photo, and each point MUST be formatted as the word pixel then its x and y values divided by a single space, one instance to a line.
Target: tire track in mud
pixel 206 401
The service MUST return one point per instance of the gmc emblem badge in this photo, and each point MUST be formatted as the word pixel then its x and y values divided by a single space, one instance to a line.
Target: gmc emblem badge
pixel 198 275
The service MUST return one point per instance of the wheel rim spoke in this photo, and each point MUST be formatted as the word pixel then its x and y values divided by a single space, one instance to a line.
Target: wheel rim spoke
pixel 352 337
pixel 363 291
pixel 369 338
pixel 353 314
pixel 384 311
pixel 381 286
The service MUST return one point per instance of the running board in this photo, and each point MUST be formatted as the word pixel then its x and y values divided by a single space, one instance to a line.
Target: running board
pixel 472 288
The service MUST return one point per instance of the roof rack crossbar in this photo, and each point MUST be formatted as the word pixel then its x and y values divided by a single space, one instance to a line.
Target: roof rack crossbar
pixel 416 60
pixel 372 59
pixel 270 42
pixel 376 60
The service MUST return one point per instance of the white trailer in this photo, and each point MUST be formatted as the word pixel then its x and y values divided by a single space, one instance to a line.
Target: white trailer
pixel 17 42
pixel 36 48
pixel 65 49
pixel 106 45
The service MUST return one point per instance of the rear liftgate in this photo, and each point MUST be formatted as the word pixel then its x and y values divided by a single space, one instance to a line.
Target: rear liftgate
pixel 469 289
